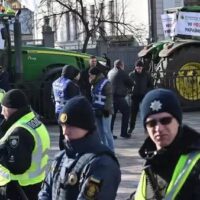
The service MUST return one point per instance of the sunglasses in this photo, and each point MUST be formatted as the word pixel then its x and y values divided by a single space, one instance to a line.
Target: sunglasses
pixel 163 121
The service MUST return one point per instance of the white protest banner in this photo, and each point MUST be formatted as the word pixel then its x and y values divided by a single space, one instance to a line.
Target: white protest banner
pixel 169 24
pixel 188 23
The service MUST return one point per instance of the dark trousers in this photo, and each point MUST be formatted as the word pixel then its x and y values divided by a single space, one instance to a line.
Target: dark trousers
pixel 135 105
pixel 120 104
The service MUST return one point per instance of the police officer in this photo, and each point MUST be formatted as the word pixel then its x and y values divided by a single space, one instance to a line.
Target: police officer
pixel 24 142
pixel 86 169
pixel 102 103
pixel 64 88
pixel 171 151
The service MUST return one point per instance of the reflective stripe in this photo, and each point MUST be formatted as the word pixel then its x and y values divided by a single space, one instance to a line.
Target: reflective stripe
pixel 181 173
pixel 141 189
pixel 99 99
pixel 2 93
pixel 36 172
pixel 4 175
pixel 68 53
pixel 59 86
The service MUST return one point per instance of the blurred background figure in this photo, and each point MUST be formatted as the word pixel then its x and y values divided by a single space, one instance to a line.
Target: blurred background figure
pixel 84 83
pixel 63 89
pixel 142 84
pixel 120 82
pixel 102 103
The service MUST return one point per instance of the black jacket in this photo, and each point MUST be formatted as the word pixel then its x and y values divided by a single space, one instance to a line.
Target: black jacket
pixel 16 155
pixel 103 168
pixel 85 85
pixel 142 83
pixel 163 162
pixel 120 82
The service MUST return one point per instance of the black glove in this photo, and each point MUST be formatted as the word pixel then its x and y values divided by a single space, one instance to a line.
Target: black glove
pixel 106 113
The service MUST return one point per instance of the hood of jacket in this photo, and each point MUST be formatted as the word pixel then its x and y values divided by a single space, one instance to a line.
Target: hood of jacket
pixel 88 144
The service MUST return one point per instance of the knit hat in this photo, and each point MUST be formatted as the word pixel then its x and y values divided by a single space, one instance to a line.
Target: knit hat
pixel 64 70
pixel 78 112
pixel 161 100
pixel 70 72
pixel 139 63
pixel 95 71
pixel 15 98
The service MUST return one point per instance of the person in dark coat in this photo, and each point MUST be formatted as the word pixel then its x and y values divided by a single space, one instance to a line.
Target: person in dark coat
pixel 171 150
pixel 84 83
pixel 86 168
pixel 142 84
pixel 63 89
pixel 121 83
pixel 24 144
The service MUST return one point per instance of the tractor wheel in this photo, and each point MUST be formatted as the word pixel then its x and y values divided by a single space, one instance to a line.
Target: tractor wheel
pixel 183 75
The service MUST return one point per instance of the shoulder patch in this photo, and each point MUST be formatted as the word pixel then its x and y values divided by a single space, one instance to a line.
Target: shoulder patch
pixel 34 123
pixel 13 141
pixel 92 188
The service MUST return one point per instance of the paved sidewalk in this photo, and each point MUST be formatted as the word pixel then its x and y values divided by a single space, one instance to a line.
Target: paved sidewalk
pixel 127 151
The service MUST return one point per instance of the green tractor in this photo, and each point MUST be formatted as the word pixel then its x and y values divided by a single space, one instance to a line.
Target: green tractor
pixel 175 63
pixel 34 68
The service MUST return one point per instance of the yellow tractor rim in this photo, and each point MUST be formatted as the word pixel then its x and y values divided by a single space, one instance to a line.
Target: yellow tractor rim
pixel 188 81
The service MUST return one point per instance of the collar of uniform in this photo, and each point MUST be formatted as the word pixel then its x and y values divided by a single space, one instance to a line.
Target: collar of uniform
pixel 14 117
pixel 87 144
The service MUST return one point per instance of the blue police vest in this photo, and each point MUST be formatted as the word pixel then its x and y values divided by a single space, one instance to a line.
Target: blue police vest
pixel 98 99
pixel 59 87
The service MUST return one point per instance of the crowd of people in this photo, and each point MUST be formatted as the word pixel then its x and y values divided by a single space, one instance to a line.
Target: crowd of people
pixel 87 168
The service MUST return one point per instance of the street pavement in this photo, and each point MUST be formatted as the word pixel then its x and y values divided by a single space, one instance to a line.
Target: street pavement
pixel 127 151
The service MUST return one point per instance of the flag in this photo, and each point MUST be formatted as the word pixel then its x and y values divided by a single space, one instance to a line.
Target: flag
pixel 30 4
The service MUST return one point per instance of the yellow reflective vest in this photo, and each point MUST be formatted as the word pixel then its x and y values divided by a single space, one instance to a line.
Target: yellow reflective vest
pixel 182 171
pixel 36 172
pixel 2 93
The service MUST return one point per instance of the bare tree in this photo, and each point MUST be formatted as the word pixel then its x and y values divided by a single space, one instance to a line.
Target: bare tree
pixel 96 26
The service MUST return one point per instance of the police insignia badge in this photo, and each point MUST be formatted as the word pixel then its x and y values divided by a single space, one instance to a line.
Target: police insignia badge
pixel 13 141
pixel 63 117
pixel 92 188
pixel 72 178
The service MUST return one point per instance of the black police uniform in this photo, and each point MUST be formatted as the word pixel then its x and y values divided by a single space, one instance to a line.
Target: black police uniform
pixel 92 163
pixel 16 155
pixel 163 163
